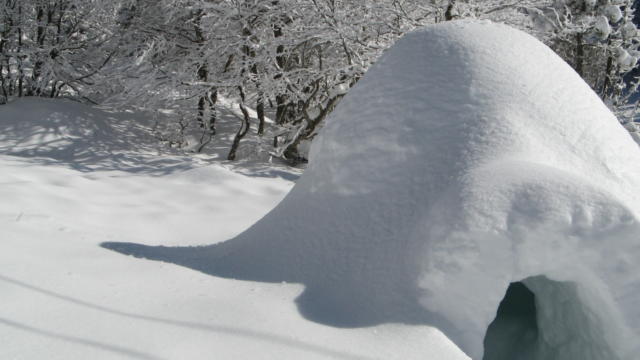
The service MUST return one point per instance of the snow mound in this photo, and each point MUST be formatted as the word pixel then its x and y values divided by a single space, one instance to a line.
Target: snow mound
pixel 469 160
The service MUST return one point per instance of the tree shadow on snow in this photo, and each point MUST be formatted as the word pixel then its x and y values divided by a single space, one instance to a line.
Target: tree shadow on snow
pixel 87 139
pixel 83 138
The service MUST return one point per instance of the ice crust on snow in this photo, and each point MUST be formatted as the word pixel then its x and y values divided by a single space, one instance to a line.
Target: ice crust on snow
pixel 469 157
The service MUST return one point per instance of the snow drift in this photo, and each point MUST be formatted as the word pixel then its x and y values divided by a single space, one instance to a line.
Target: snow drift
pixel 469 158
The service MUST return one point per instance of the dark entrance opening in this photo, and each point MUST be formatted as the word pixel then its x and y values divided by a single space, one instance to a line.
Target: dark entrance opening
pixel 513 334
pixel 543 319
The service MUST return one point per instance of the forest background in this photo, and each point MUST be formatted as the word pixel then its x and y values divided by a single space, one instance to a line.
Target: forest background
pixel 279 66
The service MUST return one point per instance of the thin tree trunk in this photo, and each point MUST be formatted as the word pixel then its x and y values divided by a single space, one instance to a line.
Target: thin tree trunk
pixel 5 97
pixel 20 57
pixel 607 77
pixel 201 108
pixel 580 47
pixel 212 99
pixel 54 89
pixel 260 112
pixel 40 36
pixel 580 54
pixel 243 130
pixel 281 61
pixel 3 56
pixel 206 102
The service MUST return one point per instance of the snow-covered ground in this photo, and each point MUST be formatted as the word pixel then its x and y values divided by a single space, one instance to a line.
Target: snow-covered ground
pixel 73 177
pixel 470 187
pixel 469 162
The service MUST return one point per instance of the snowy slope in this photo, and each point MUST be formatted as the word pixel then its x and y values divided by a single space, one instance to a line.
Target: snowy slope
pixel 73 177
pixel 469 157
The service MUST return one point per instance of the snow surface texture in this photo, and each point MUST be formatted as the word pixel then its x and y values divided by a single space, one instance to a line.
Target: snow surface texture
pixel 64 297
pixel 468 158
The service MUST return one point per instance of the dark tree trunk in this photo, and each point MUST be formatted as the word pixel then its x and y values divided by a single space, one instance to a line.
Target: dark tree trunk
pixel 448 14
pixel 20 58
pixel 3 59
pixel 40 37
pixel 281 61
pixel 608 73
pixel 243 130
pixel 206 102
pixel 260 111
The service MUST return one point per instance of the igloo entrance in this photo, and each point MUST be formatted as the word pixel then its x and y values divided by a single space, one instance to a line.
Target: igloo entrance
pixel 542 319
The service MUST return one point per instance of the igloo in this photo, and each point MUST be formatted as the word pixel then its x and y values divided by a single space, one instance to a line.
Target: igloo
pixel 470 181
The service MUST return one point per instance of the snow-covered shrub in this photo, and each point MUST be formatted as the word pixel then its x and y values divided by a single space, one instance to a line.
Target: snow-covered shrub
pixel 600 41
pixel 54 48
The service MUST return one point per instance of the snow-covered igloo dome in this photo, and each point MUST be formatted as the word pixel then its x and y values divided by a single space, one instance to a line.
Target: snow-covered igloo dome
pixel 471 181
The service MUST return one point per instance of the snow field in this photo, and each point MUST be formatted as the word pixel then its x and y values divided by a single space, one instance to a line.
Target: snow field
pixel 65 297
pixel 468 163
pixel 469 158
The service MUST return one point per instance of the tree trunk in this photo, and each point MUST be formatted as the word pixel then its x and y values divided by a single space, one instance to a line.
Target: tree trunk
pixel 580 55
pixel 40 36
pixel 3 59
pixel 20 58
pixel 281 61
pixel 206 102
pixel 243 130
pixel 608 73
pixel 260 111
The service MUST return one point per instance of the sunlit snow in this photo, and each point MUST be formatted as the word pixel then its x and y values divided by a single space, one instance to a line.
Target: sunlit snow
pixel 470 191
pixel 470 157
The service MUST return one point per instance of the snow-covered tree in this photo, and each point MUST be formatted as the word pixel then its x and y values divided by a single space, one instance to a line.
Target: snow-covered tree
pixel 49 48
pixel 293 59
pixel 290 61
pixel 598 38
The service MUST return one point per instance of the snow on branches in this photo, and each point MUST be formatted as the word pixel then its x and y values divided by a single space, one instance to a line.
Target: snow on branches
pixel 277 66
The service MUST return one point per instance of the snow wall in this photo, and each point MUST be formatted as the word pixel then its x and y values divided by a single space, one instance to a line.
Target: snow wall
pixel 469 157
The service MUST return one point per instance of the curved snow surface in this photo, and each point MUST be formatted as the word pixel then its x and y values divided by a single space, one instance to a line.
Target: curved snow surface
pixel 468 158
